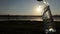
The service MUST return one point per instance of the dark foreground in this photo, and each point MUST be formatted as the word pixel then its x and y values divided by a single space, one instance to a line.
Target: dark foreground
pixel 24 27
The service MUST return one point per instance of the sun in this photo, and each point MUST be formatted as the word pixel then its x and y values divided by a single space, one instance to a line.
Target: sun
pixel 39 9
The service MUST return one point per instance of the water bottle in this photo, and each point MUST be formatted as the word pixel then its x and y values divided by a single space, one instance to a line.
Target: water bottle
pixel 48 23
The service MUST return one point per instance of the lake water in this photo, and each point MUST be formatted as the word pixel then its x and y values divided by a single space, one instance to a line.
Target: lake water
pixel 31 19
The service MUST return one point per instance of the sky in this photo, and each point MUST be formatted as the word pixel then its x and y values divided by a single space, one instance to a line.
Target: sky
pixel 26 7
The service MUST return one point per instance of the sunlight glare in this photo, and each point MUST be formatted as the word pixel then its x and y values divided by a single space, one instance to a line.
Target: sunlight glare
pixel 39 8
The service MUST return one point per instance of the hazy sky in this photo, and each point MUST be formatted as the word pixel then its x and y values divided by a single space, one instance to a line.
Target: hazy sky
pixel 26 7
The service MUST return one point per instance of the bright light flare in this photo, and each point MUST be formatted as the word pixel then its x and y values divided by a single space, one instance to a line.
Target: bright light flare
pixel 39 8
pixel 53 30
pixel 46 3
